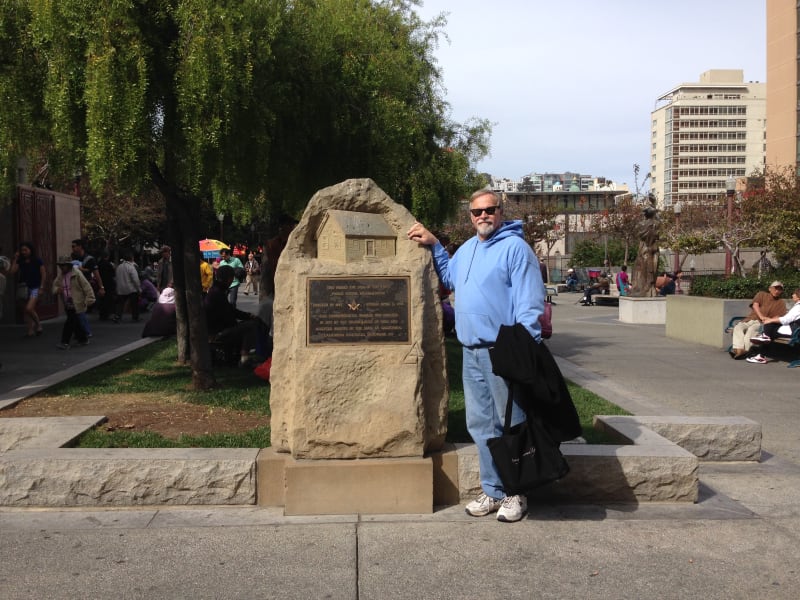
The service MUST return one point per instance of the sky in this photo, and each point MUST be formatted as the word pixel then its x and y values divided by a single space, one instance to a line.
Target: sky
pixel 569 85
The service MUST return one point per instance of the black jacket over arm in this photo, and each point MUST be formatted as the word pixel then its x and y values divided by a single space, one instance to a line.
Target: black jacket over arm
pixel 517 357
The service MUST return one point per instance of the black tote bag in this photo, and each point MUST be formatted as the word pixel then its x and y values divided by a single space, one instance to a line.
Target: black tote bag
pixel 526 456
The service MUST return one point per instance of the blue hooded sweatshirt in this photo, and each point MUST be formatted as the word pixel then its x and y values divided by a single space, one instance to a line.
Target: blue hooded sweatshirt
pixel 496 282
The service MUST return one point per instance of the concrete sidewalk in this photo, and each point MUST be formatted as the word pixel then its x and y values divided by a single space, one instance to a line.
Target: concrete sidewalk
pixel 739 541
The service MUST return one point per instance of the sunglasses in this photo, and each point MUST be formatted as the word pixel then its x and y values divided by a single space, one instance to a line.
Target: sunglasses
pixel 489 210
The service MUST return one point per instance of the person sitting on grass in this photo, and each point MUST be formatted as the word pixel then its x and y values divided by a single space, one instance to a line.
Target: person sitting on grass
pixel 227 324
pixel 777 326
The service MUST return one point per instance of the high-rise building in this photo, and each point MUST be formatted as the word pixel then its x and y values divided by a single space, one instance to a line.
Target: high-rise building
pixel 704 133
pixel 783 134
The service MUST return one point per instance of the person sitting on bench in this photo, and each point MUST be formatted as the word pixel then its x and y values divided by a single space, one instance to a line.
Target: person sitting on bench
pixel 765 305
pixel 601 286
pixel 571 281
pixel 227 324
pixel 775 327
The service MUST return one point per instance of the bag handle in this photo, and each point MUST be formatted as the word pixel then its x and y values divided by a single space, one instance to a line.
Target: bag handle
pixel 509 408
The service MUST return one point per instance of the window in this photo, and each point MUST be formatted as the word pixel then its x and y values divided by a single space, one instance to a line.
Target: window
pixel 370 248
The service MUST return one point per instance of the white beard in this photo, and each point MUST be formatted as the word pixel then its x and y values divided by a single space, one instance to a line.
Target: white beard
pixel 485 229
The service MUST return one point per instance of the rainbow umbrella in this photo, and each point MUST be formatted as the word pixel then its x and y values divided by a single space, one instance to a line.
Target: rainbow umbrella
pixel 208 245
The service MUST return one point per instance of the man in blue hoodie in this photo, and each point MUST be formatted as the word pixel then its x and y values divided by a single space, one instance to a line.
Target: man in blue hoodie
pixel 497 281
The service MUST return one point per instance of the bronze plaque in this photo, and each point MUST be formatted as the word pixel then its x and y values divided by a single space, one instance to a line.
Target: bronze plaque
pixel 358 310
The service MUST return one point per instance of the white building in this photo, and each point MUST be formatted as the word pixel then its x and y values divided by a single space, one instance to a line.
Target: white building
pixel 705 132
pixel 556 182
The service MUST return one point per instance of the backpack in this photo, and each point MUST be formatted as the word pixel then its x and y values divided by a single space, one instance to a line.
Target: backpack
pixel 239 273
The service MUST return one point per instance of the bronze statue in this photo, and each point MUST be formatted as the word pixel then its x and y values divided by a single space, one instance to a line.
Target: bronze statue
pixel 646 267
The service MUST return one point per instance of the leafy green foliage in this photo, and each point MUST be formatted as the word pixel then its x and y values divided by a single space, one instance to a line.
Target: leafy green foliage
pixel 773 201
pixel 591 253
pixel 251 105
pixel 621 224
pixel 741 288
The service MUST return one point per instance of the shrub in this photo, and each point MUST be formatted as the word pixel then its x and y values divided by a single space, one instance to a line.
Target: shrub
pixel 741 288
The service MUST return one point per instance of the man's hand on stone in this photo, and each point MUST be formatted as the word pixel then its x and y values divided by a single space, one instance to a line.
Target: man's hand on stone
pixel 418 233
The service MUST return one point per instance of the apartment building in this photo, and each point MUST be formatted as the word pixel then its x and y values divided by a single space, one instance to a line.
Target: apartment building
pixel 704 133
pixel 556 182
pixel 783 133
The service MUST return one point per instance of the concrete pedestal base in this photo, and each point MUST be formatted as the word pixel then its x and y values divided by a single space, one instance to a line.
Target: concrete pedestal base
pixel 364 486
pixel 643 311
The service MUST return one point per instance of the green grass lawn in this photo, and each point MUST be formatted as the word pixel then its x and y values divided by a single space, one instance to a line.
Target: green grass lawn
pixel 153 369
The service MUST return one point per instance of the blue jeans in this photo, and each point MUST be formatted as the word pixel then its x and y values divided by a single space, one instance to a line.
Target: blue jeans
pixel 83 318
pixel 485 398
pixel 233 295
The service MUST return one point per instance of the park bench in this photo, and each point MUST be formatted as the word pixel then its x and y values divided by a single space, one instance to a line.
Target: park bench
pixel 792 343
pixel 606 299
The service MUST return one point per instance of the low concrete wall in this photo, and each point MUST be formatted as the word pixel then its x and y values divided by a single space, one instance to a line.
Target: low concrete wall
pixel 702 320
pixel 656 461
pixel 128 477
pixel 642 311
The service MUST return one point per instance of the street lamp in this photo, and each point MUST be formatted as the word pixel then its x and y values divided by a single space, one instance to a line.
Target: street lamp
pixel 676 209
pixel 220 218
pixel 730 192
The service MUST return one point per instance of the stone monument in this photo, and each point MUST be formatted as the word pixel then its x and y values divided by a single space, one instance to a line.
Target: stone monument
pixel 358 368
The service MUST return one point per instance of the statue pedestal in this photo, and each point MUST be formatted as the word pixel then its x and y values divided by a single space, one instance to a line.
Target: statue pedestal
pixel 643 311
pixel 361 486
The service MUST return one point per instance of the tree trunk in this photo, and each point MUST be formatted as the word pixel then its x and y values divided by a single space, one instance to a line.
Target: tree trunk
pixel 192 331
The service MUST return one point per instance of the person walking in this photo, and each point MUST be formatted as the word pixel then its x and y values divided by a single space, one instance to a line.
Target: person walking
pixel 228 260
pixel 77 295
pixel 129 287
pixel 497 282
pixel 31 275
pixel 106 303
pixel 623 281
pixel 253 271
pixel 164 271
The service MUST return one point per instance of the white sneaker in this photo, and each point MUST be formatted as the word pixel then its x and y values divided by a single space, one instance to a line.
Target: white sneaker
pixel 513 509
pixel 482 506
pixel 758 358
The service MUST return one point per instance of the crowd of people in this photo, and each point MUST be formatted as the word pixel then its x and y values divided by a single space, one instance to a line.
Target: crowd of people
pixel 666 284
pixel 84 283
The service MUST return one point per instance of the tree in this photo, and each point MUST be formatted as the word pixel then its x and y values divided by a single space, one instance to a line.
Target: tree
pixel 237 105
pixel 697 230
pixel 773 201
pixel 541 224
pixel 123 219
pixel 591 253
pixel 620 223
